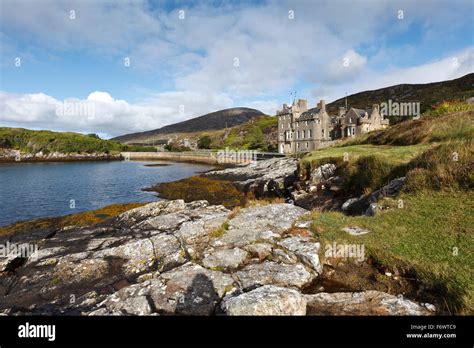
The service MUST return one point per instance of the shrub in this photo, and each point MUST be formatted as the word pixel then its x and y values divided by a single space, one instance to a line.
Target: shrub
pixel 204 142
pixel 448 166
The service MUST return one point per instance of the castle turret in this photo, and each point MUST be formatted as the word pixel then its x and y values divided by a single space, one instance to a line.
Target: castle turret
pixel 322 105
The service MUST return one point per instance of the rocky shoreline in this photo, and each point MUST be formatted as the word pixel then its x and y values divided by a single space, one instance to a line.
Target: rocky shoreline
pixel 15 156
pixel 172 257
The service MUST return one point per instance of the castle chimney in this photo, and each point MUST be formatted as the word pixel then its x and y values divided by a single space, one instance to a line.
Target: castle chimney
pixel 322 105
pixel 302 104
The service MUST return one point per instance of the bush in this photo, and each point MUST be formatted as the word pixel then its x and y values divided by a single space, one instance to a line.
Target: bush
pixel 204 142
pixel 448 166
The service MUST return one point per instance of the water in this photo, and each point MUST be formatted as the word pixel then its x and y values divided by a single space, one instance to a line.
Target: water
pixel 34 190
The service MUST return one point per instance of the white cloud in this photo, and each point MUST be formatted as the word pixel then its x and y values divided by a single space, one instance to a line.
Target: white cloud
pixel 447 68
pixel 196 56
pixel 109 116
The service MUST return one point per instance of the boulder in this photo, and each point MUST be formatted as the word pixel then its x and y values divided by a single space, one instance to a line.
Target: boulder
pixel 274 273
pixel 323 172
pixel 306 249
pixel 363 303
pixel 266 300
pixel 225 259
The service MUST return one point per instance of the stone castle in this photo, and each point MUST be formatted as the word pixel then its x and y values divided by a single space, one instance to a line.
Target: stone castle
pixel 303 130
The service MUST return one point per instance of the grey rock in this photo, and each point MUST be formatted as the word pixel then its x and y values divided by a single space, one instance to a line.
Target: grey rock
pixel 323 172
pixel 191 290
pixel 264 178
pixel 355 230
pixel 274 273
pixel 139 256
pixel 363 303
pixel 266 300
pixel 259 250
pixel 226 258
pixel 306 249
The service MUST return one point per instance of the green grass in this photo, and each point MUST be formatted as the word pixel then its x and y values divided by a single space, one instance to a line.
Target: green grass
pixel 422 236
pixel 259 133
pixel 391 154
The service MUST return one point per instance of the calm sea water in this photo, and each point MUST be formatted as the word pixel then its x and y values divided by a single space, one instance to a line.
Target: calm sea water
pixel 34 190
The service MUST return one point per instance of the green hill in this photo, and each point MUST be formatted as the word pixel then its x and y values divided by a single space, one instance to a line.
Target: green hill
pixel 34 141
pixel 427 94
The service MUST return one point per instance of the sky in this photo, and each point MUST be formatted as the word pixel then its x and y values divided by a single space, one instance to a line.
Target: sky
pixel 117 67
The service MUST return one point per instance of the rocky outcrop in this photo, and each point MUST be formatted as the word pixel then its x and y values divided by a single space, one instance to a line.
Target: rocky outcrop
pixel 364 303
pixel 171 257
pixel 9 155
pixel 167 257
pixel 266 300
pixel 272 177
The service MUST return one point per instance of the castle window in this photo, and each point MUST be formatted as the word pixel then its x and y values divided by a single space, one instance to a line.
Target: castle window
pixel 309 133
pixel 319 121
pixel 350 119
pixel 353 131
pixel 298 145
pixel 322 132
pixel 306 144
pixel 306 122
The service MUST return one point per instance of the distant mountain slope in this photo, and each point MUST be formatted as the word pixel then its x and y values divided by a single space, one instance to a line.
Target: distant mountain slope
pixel 426 94
pixel 212 121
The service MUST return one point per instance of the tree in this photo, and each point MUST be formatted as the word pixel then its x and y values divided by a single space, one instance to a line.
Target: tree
pixel 204 142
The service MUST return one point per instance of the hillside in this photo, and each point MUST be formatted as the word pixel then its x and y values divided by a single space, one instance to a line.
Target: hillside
pixel 427 94
pixel 260 133
pixel 213 121
pixel 34 141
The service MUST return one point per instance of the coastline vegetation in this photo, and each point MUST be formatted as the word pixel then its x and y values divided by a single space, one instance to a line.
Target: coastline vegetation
pixel 34 141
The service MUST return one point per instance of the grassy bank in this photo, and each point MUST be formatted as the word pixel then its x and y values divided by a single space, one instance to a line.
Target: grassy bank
pixel 33 141
pixel 432 234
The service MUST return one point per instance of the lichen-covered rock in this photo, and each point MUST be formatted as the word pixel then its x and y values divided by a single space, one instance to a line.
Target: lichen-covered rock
pixel 171 257
pixel 264 178
pixel 191 289
pixel 259 250
pixel 139 256
pixel 306 249
pixel 323 172
pixel 274 273
pixel 266 300
pixel 225 259
pixel 363 303
pixel 87 270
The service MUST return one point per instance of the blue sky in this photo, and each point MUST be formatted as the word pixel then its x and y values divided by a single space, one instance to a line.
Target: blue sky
pixel 185 67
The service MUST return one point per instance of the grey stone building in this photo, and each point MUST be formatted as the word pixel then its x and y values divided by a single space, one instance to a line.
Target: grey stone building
pixel 303 130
